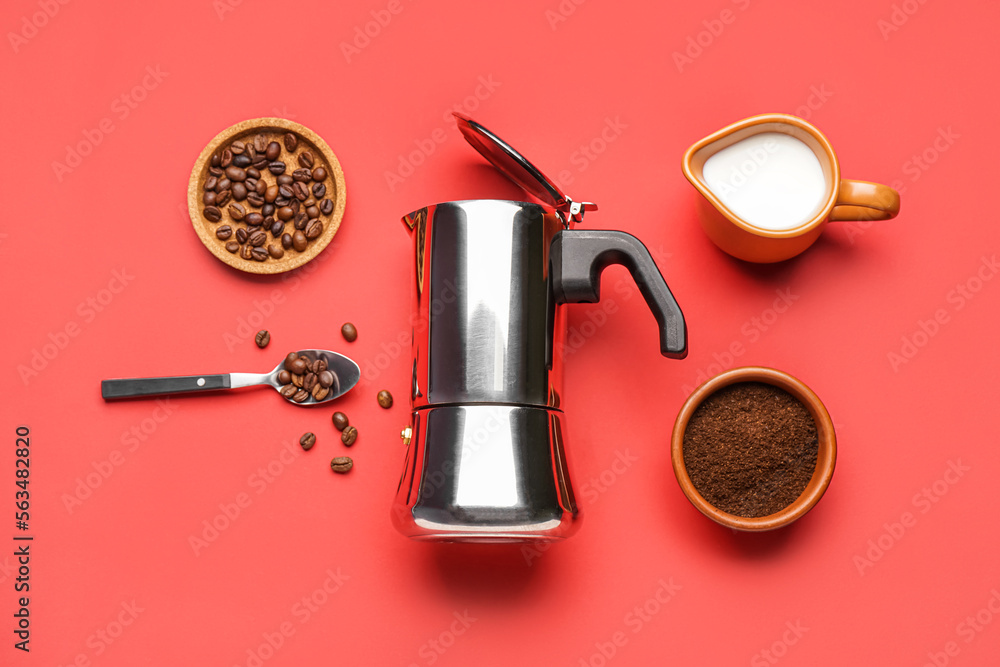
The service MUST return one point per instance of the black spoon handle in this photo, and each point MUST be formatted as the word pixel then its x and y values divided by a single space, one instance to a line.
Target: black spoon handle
pixel 183 384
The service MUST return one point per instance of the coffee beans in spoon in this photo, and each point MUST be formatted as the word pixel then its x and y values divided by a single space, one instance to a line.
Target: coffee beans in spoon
pixel 302 378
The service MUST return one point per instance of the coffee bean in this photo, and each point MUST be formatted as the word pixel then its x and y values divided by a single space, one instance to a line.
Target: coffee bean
pixel 267 210
pixel 301 191
pixel 384 399
pixel 349 435
pixel 255 199
pixel 325 378
pixel 241 161
pixel 227 158
pixel 309 381
pixel 212 213
pixel 261 162
pixel 284 377
pixel 216 160
pixel 254 172
pixel 285 213
pixel 262 338
pixel 239 191
pixel 284 179
pixel 286 241
pixel 300 396
pixel 236 174
pixel 224 232
pixel 349 332
pixel 222 197
pixel 297 367
pixel 237 212
pixel 233 246
pixel 250 183
pixel 251 151
pixel 257 239
pixel 271 194
pixel 294 205
pixel 259 254
pixel 341 464
pixel 291 142
pixel 255 219
pixel 245 252
pixel 340 421
pixel 288 390
pixel 312 212
pixel 314 228
pixel 299 241
pixel 275 251
pixel 302 175
pixel 309 202
pixel 289 360
pixel 260 143
pixel 223 184
pixel 319 392
pixel 307 441
pixel 242 235
pixel 237 147
pixel 320 366
pixel 208 199
pixel 300 220
pixel 297 380
pixel 210 182
pixel 326 207
pixel 319 174
pixel 276 168
pixel 215 171
pixel 273 150
pixel 319 190
pixel 285 192
pixel 276 228
pixel 306 159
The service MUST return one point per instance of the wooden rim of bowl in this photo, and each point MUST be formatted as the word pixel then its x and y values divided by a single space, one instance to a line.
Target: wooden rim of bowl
pixel 247 129
pixel 826 457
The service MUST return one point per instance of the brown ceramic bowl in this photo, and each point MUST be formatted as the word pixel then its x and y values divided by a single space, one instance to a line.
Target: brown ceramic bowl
pixel 274 129
pixel 826 458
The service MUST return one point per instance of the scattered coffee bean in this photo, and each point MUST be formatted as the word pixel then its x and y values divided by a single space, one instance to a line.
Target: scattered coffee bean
pixel 242 235
pixel 291 142
pixel 284 377
pixel 276 228
pixel 237 212
pixel 233 246
pixel 212 213
pixel 283 179
pixel 301 175
pixel 349 436
pixel 224 232
pixel 236 174
pixel 271 194
pixel 319 190
pixel 276 168
pixel 286 241
pixel 255 219
pixel 299 241
pixel 216 160
pixel 340 421
pixel 263 337
pixel 326 207
pixel 341 464
pixel 319 174
pixel 245 252
pixel 306 159
pixel 223 184
pixel 255 199
pixel 227 158
pixel 275 251
pixel 384 399
pixel 237 147
pixel 285 213
pixel 273 150
pixel 211 182
pixel 300 220
pixel 260 143
pixel 301 191
pixel 349 331
pixel 222 198
pixel 258 254
pixel 307 441
pixel 312 212
pixel 208 199
pixel 241 161
pixel 239 191
pixel 257 239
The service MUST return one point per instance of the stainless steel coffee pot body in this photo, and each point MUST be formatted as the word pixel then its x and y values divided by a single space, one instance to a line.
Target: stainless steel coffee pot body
pixel 486 446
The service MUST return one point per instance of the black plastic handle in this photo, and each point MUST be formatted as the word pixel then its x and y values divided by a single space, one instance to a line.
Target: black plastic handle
pixel 134 387
pixel 579 257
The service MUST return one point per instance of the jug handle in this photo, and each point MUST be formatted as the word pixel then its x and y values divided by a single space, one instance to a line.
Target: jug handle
pixel 578 257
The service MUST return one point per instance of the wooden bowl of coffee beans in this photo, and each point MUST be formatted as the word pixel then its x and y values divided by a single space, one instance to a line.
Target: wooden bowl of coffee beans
pixel 266 195
pixel 753 449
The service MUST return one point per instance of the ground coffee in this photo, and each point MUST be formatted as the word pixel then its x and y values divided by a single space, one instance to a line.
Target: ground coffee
pixel 750 449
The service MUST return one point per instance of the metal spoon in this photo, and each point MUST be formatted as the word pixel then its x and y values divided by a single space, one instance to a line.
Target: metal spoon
pixel 345 375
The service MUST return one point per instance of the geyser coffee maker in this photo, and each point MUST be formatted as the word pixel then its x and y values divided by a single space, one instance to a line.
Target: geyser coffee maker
pixel 486 457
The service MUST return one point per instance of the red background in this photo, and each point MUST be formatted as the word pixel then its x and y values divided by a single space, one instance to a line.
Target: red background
pixel 882 96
